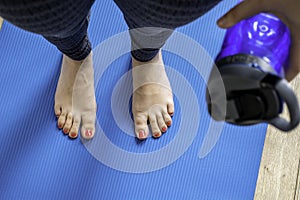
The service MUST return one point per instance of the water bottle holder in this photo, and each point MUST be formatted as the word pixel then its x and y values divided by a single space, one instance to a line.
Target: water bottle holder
pixel 253 94
pixel 254 106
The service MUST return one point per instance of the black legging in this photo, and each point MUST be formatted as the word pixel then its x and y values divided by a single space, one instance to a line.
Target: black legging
pixel 64 22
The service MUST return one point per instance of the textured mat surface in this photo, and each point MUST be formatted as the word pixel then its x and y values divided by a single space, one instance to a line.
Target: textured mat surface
pixel 38 162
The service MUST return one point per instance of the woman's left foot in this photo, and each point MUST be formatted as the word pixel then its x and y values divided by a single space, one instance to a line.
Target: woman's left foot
pixel 152 97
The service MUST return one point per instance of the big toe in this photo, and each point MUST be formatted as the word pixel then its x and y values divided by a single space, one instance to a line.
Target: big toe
pixel 88 127
pixel 88 132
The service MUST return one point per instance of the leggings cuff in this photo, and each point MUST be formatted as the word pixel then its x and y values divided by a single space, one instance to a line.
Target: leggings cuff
pixel 144 55
pixel 72 47
pixel 79 52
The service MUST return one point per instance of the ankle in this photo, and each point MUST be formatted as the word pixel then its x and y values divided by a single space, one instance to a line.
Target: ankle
pixel 156 59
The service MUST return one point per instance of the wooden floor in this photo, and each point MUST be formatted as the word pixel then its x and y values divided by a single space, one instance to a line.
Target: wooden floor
pixel 279 169
pixel 279 174
pixel 1 22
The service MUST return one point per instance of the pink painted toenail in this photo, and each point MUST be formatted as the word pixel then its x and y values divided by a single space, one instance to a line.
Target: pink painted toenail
pixel 141 134
pixel 73 135
pixel 88 133
pixel 65 131
pixel 156 134
pixel 168 123
pixel 164 129
pixel 59 126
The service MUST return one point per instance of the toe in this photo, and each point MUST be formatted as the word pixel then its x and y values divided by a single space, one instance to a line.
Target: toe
pixel 154 126
pixel 73 133
pixel 170 108
pixel 161 123
pixel 167 119
pixel 61 120
pixel 88 126
pixel 87 132
pixel 68 123
pixel 141 128
pixel 57 110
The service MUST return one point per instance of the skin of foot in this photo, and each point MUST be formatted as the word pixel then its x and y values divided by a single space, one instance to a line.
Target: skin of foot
pixel 75 102
pixel 152 97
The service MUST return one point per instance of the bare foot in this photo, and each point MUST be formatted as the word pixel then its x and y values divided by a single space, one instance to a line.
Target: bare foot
pixel 152 97
pixel 75 102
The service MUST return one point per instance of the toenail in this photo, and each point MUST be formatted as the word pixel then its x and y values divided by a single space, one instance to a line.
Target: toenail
pixel 59 126
pixel 65 130
pixel 88 133
pixel 164 129
pixel 168 123
pixel 73 135
pixel 156 134
pixel 171 114
pixel 142 134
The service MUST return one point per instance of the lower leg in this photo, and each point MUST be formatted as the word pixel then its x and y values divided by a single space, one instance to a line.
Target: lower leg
pixel 147 41
pixel 75 102
pixel 152 94
pixel 73 42
pixel 64 24
pixel 151 23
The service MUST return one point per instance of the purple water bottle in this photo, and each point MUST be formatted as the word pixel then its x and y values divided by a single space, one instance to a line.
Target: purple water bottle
pixel 252 63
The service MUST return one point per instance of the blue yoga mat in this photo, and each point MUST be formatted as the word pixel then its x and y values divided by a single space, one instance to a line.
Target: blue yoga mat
pixel 196 159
